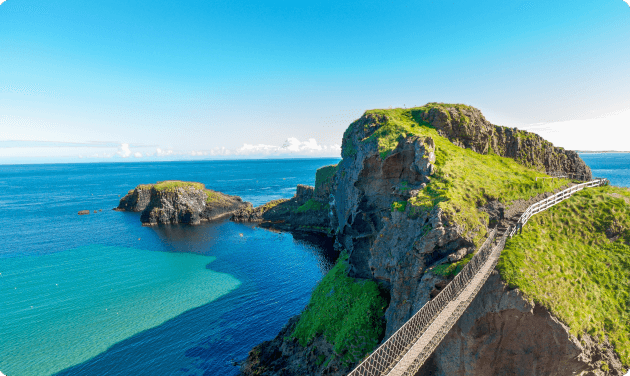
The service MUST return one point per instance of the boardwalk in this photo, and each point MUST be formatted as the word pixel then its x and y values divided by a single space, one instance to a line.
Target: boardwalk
pixel 407 349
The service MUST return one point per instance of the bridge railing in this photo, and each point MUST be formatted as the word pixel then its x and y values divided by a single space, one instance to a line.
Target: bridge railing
pixel 406 369
pixel 385 357
pixel 550 201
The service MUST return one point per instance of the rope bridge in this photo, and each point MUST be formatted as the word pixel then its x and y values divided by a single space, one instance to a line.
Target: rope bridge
pixel 409 347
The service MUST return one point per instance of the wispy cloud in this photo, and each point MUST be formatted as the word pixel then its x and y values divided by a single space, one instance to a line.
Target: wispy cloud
pixel 292 147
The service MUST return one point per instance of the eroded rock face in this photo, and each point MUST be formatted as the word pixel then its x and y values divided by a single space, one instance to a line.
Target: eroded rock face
pixel 467 127
pixel 303 212
pixel 501 333
pixel 180 205
pixel 135 200
pixel 386 244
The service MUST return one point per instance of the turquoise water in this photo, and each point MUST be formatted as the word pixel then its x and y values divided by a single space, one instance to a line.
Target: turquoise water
pixel 110 297
pixel 100 294
pixel 64 308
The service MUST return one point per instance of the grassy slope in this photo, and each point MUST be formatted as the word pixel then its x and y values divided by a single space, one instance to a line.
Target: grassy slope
pixel 564 261
pixel 348 313
pixel 464 179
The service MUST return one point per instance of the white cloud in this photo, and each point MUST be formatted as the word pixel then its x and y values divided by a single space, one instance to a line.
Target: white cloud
pixel 124 151
pixel 628 2
pixel 161 153
pixel 292 146
pixel 609 132
pixel 2 1
pixel 137 154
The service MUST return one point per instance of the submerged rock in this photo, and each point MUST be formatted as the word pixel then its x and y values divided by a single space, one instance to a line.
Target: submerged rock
pixel 172 202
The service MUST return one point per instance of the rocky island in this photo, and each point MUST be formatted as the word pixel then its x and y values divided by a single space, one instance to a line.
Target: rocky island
pixel 416 193
pixel 172 201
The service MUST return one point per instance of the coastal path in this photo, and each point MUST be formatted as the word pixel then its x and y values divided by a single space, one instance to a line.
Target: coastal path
pixel 409 347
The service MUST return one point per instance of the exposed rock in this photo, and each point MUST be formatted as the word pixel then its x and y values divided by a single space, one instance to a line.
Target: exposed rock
pixel 467 127
pixel 300 213
pixel 84 212
pixel 501 333
pixel 285 356
pixel 190 204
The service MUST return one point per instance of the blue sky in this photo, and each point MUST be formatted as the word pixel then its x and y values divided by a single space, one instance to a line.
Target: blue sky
pixel 142 80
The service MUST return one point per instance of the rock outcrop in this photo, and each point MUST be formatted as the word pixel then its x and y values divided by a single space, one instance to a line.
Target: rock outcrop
pixel 303 212
pixel 173 202
pixel 501 333
pixel 466 126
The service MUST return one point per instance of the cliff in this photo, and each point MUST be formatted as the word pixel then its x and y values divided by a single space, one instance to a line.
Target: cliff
pixel 306 211
pixel 171 202
pixel 415 194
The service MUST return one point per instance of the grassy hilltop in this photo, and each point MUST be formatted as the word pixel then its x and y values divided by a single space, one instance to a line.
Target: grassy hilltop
pixel 464 180
pixel 573 259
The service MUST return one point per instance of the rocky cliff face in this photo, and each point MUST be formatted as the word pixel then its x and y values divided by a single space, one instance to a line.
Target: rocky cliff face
pixel 501 333
pixel 303 212
pixel 466 126
pixel 183 203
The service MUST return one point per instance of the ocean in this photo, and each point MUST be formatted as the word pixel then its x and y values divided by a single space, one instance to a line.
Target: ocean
pixel 613 166
pixel 101 295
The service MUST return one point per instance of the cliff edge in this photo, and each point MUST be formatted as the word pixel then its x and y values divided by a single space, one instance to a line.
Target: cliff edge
pixel 415 194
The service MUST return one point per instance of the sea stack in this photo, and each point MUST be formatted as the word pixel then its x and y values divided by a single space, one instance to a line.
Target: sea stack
pixel 173 201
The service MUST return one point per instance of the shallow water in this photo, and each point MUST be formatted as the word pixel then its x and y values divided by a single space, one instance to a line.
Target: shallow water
pixel 110 297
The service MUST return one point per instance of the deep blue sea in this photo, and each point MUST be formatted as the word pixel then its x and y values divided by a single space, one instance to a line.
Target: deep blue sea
pixel 101 295
pixel 614 166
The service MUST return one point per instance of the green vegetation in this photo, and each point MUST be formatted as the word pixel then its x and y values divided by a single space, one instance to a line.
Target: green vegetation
pixel 399 206
pixel 565 261
pixel 349 313
pixel 212 196
pixel 464 180
pixel 324 176
pixel 451 270
pixel 311 205
pixel 348 149
pixel 171 185
pixel 272 204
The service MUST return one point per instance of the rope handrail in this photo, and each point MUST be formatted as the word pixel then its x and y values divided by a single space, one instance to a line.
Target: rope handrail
pixel 407 349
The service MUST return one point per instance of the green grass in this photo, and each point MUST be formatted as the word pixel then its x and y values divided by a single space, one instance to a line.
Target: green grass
pixel 212 196
pixel 311 205
pixel 564 261
pixel 464 180
pixel 349 313
pixel 452 269
pixel 399 206
pixel 171 185
pixel 324 176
